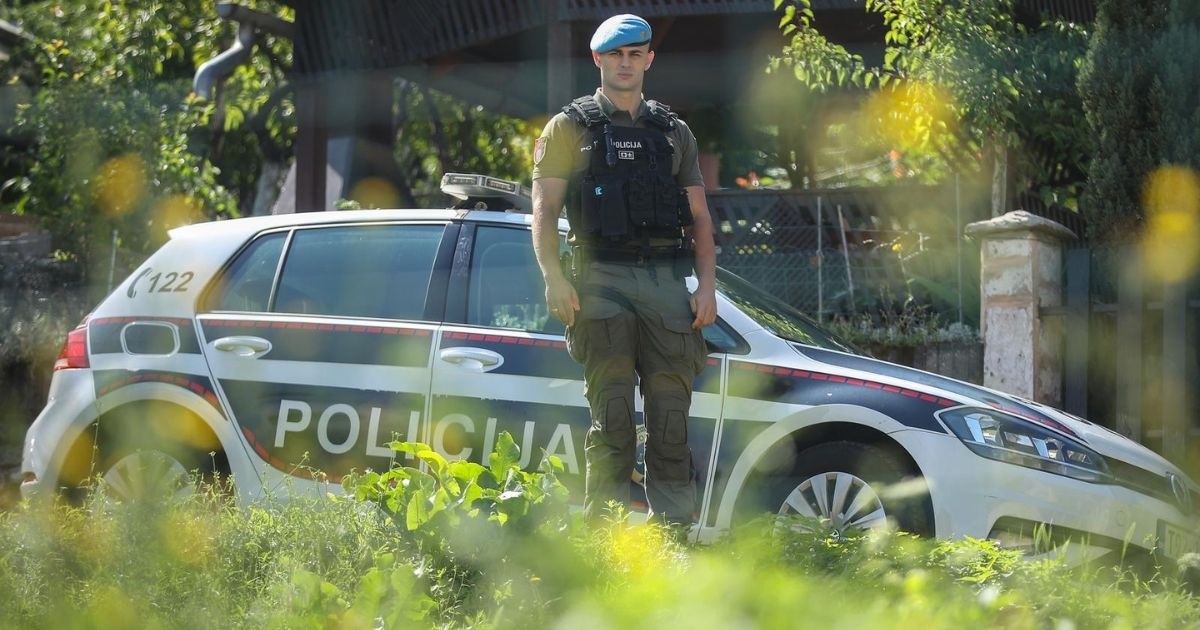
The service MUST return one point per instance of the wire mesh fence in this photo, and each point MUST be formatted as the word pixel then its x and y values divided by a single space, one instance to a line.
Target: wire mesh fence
pixel 846 252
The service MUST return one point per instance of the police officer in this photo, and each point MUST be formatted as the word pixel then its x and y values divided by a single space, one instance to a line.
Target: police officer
pixel 627 171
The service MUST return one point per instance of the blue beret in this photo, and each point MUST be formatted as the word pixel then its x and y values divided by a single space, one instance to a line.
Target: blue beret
pixel 620 30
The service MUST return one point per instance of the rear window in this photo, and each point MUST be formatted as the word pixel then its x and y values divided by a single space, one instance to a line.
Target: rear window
pixel 375 271
pixel 247 283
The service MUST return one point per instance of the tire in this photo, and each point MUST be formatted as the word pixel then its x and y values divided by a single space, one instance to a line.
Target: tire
pixel 153 458
pixel 851 487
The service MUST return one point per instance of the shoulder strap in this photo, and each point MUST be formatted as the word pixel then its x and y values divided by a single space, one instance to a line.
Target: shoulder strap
pixel 586 111
pixel 660 115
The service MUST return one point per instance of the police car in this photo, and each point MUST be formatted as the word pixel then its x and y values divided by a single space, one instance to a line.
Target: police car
pixel 289 350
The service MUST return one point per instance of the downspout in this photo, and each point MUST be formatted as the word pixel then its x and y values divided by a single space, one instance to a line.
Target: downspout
pixel 213 72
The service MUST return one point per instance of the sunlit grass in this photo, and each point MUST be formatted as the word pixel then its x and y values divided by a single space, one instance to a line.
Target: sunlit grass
pixel 205 562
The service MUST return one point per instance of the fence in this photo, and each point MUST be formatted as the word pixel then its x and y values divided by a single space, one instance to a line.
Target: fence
pixel 848 251
pixel 1129 350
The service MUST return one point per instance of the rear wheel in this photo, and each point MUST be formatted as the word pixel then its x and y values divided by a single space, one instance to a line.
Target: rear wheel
pixel 851 487
pixel 149 453
pixel 147 475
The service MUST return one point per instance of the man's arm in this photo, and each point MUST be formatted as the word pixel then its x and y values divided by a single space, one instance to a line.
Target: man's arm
pixel 548 196
pixel 704 300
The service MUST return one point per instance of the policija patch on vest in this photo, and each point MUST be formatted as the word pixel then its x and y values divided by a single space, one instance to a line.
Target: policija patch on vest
pixel 626 147
pixel 539 150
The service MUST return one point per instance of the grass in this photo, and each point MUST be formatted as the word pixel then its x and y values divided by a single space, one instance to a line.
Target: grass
pixel 350 563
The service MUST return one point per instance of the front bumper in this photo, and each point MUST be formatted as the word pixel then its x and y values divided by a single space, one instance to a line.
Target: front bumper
pixel 972 494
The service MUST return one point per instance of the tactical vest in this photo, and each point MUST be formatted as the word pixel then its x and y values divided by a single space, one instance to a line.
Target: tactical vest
pixel 628 194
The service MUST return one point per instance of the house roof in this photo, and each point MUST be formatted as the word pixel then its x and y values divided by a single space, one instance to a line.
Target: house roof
pixel 496 52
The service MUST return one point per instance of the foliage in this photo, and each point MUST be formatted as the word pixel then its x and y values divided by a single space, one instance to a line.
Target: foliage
pixel 1142 104
pixel 487 528
pixel 437 134
pixel 911 326
pixel 111 124
pixel 117 141
pixel 206 562
pixel 957 78
pixel 451 494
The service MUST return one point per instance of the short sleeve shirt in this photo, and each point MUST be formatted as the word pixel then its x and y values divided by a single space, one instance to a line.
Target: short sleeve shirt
pixel 559 152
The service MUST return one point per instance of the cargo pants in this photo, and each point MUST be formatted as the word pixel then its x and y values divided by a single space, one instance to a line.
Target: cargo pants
pixel 635 324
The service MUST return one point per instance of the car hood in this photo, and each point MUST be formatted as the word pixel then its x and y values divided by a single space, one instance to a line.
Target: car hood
pixel 1104 441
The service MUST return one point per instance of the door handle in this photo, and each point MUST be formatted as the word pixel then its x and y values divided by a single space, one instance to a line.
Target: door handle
pixel 243 346
pixel 474 359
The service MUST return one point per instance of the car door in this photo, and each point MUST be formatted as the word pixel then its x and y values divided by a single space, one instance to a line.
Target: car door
pixel 500 364
pixel 319 339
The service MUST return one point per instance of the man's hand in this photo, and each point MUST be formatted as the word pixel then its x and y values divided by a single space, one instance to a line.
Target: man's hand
pixel 704 300
pixel 704 305
pixel 562 300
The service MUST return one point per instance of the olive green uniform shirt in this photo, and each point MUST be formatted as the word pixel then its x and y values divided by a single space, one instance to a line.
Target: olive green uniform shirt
pixel 562 150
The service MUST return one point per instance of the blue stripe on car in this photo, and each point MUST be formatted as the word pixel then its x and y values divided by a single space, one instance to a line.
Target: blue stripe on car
pixel 546 358
pixel 1003 403
pixel 108 381
pixel 104 334
pixel 332 343
pixel 805 387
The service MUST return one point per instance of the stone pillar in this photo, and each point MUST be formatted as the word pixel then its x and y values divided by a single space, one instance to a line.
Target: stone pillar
pixel 1021 272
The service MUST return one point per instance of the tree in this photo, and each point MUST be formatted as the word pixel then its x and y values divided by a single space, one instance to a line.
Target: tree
pixel 117 140
pixel 1143 106
pixel 962 81
pixel 111 121
pixel 436 134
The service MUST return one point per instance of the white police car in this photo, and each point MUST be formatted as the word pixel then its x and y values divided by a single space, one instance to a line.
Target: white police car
pixel 276 348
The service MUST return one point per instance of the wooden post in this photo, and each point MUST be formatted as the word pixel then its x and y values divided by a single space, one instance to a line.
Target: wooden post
pixel 1075 390
pixel 1130 306
pixel 1175 406
pixel 312 137
pixel 560 82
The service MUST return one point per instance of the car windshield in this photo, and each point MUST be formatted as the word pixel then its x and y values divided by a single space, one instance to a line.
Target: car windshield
pixel 776 316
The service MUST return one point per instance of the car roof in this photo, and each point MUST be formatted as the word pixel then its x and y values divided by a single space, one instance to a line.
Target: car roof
pixel 251 225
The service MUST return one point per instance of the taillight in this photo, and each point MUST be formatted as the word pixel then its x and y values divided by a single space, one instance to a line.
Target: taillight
pixel 74 353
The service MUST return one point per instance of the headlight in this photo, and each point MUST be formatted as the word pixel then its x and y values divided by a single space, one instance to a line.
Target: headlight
pixel 995 435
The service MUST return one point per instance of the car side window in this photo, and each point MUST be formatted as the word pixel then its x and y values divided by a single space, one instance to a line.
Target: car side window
pixel 246 285
pixel 720 338
pixel 506 289
pixel 378 271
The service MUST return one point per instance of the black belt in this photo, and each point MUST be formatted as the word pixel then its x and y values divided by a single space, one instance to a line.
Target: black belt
pixel 633 255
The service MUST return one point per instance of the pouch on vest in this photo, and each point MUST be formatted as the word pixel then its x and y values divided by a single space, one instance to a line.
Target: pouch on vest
pixel 666 203
pixel 684 207
pixel 641 202
pixel 602 205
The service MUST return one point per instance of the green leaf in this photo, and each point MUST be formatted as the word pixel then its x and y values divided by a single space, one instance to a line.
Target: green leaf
pixel 417 513
pixel 788 15
pixel 411 448
pixel 505 456
pixel 436 462
pixel 465 470
pixel 553 464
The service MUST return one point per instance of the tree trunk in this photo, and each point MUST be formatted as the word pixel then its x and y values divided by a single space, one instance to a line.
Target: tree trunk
pixel 266 190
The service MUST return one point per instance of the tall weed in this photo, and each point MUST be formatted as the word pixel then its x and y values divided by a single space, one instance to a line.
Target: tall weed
pixel 452 546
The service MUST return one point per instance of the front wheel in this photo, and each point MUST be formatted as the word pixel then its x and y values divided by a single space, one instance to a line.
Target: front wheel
pixel 852 487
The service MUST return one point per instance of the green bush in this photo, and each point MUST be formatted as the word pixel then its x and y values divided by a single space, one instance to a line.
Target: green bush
pixel 1142 103
pixel 353 563
pixel 911 326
